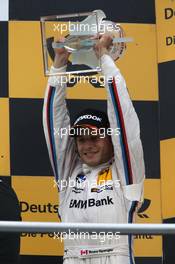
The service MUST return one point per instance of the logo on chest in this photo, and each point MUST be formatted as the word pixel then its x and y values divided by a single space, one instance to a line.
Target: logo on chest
pixel 79 183
pixel 83 204
pixel 104 181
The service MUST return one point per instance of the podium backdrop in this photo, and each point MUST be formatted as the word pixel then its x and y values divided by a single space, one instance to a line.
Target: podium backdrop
pixel 148 67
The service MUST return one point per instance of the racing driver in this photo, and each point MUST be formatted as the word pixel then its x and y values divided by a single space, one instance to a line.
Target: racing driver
pixel 107 168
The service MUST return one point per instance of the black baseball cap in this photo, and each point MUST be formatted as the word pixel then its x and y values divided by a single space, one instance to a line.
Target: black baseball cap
pixel 90 118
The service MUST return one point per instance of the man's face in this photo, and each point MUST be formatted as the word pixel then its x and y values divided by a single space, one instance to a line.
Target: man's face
pixel 94 150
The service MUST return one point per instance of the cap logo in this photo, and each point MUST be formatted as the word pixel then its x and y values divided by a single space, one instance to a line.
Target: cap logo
pixel 93 117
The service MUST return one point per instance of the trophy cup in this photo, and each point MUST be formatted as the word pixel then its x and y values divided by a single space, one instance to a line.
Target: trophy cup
pixel 81 32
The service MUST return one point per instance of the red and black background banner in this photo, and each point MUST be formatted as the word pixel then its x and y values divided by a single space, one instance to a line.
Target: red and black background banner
pixel 148 67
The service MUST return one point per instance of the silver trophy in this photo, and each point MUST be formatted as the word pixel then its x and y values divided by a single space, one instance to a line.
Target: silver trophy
pixel 81 32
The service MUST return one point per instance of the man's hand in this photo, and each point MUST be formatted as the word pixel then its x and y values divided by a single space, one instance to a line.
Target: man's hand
pixel 61 55
pixel 103 45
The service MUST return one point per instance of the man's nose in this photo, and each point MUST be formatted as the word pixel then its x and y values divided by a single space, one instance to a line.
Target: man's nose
pixel 88 144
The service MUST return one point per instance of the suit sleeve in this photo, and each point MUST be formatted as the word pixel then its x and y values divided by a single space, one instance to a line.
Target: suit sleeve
pixel 128 153
pixel 56 123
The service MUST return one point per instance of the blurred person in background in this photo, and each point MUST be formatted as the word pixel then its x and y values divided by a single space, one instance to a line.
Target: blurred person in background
pixel 9 211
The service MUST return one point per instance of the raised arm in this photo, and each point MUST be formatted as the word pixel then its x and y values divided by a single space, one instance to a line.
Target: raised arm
pixel 121 113
pixel 56 122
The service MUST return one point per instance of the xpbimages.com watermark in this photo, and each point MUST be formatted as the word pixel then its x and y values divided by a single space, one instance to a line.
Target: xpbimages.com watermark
pixel 102 132
pixel 82 27
pixel 99 80
pixel 81 182
pixel 101 236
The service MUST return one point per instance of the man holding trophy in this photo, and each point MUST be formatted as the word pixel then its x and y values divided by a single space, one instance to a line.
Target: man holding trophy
pixel 108 170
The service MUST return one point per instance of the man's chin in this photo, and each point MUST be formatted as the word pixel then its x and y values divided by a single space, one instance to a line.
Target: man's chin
pixel 91 163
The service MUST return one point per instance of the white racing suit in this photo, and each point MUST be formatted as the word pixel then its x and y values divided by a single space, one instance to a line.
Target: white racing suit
pixel 108 193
